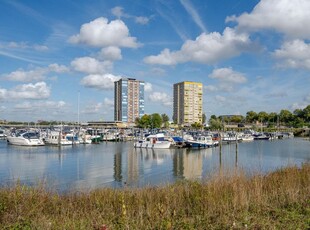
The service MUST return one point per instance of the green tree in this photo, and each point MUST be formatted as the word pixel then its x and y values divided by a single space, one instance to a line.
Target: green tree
pixel 251 116
pixel 306 113
pixel 196 125
pixel 204 118
pixel 215 124
pixel 165 120
pixel 262 116
pixel 145 121
pixel 285 116
pixel 156 120
pixel 236 118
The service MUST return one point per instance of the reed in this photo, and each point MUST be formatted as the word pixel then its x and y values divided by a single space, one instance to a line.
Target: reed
pixel 279 200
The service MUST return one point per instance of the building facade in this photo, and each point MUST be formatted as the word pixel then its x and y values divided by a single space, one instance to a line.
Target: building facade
pixel 187 103
pixel 128 100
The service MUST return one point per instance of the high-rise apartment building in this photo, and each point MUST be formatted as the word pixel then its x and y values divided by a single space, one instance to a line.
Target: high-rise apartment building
pixel 128 99
pixel 187 102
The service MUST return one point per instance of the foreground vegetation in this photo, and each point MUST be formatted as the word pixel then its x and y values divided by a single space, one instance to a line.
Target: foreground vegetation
pixel 280 200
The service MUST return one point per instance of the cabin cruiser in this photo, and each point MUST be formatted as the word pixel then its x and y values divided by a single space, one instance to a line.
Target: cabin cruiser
pixel 56 138
pixel 201 142
pixel 154 141
pixel 25 138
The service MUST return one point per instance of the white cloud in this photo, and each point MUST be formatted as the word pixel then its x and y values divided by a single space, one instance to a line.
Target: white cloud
pixel 195 16
pixel 301 105
pixel 25 45
pixel 36 74
pixel 148 87
pixel 101 82
pixel 111 53
pixel 101 33
pixel 210 88
pixel 207 49
pixel 108 102
pixel 27 91
pixel 161 97
pixel 30 91
pixel 285 16
pixel 294 54
pixel 228 75
pixel 142 20
pixel 40 104
pixel 118 12
pixel 58 68
pixel 91 65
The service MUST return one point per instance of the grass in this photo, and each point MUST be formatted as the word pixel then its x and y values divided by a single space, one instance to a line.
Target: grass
pixel 279 200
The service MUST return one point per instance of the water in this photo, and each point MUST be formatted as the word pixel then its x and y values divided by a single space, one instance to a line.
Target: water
pixel 115 165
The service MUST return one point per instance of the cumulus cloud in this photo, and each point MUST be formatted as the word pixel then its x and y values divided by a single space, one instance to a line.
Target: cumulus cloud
pixel 207 49
pixel 102 33
pixel 148 87
pixel 303 104
pixel 293 54
pixel 36 74
pixel 161 97
pixel 101 82
pixel 228 75
pixel 91 65
pixel 119 13
pixel 285 16
pixel 27 91
pixel 111 53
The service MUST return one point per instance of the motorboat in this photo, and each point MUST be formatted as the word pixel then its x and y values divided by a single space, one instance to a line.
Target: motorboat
pixel 25 138
pixel 154 141
pixel 56 138
pixel 201 142
pixel 247 137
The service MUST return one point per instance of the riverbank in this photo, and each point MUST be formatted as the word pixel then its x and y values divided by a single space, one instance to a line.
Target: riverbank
pixel 278 200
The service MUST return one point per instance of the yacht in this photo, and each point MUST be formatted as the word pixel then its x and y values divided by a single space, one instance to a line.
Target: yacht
pixel 25 138
pixel 154 141
pixel 201 142
pixel 56 138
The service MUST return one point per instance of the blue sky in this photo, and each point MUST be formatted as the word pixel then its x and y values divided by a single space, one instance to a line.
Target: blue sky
pixel 249 55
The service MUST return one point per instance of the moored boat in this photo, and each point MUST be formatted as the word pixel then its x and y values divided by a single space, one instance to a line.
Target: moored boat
pixel 156 141
pixel 25 138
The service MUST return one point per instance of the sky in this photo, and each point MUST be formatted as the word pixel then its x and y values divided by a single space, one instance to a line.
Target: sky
pixel 59 59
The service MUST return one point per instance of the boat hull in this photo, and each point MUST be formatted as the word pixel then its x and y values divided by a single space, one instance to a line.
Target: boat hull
pixel 158 145
pixel 21 141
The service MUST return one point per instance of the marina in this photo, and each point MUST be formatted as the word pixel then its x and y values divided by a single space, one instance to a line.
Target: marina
pixel 119 164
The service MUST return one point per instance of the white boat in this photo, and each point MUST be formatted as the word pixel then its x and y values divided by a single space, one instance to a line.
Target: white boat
pixel 2 134
pixel 247 137
pixel 56 138
pixel 25 138
pixel 156 141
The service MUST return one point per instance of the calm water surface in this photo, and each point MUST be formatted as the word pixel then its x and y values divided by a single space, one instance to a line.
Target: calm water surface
pixel 115 165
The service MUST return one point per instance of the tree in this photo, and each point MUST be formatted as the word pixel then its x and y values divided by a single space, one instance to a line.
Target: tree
pixel 251 116
pixel 156 120
pixel 145 121
pixel 262 116
pixel 196 125
pixel 165 120
pixel 285 116
pixel 204 118
pixel 215 124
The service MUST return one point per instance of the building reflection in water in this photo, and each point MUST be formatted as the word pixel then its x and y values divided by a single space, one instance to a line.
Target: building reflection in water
pixel 187 164
pixel 133 167
pixel 118 167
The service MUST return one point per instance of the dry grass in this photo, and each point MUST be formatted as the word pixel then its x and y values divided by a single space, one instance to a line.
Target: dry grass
pixel 280 200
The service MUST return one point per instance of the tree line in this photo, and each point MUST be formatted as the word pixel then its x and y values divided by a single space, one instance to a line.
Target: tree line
pixel 297 119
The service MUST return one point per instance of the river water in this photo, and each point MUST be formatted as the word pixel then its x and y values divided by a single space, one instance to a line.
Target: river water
pixel 117 165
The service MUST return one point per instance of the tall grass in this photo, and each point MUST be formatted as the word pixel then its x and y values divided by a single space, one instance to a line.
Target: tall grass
pixel 279 200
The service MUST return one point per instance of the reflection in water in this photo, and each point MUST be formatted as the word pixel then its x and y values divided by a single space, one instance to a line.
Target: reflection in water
pixel 119 164
pixel 187 165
